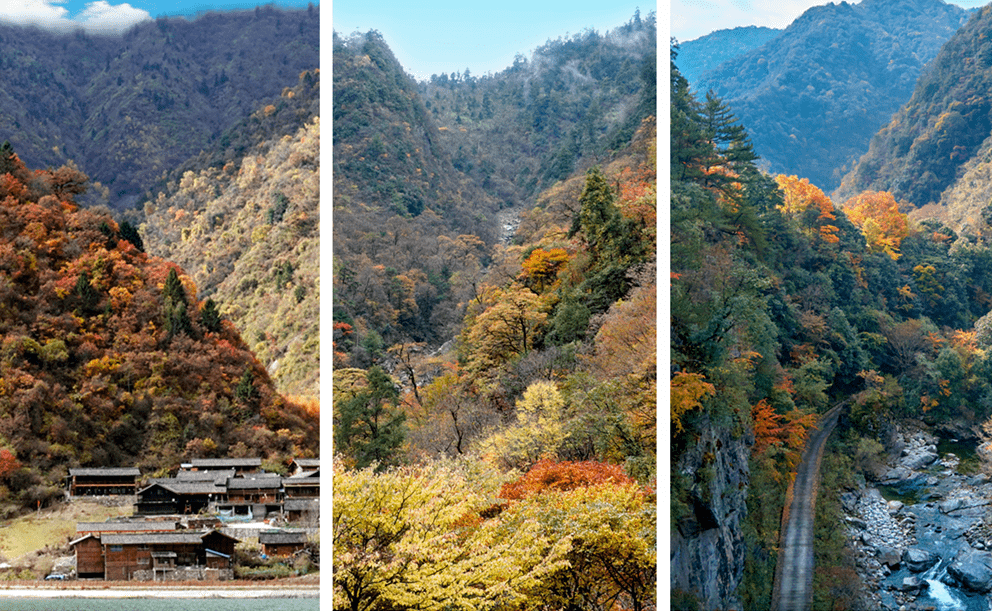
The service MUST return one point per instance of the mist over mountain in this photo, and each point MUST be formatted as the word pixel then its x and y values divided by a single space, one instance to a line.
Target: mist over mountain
pixel 128 108
pixel 814 96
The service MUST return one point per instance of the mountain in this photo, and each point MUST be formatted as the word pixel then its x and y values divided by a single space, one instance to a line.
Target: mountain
pixel 428 175
pixel 935 148
pixel 700 55
pixel 128 108
pixel 519 131
pixel 244 220
pixel 408 226
pixel 107 359
pixel 814 96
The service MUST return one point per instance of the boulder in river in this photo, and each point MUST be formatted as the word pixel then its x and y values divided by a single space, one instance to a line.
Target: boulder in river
pixel 889 556
pixel 973 569
pixel 918 560
pixel 913 584
pixel 919 459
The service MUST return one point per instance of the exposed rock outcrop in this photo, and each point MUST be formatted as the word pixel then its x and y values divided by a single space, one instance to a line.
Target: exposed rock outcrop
pixel 707 553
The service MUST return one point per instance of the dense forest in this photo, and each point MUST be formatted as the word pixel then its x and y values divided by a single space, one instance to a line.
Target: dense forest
pixel 494 400
pixel 108 358
pixel 423 171
pixel 783 303
pixel 243 219
pixel 934 152
pixel 129 108
pixel 814 95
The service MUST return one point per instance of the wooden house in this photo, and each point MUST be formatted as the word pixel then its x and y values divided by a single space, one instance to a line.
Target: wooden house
pixel 282 543
pixel 240 465
pixel 298 509
pixel 254 489
pixel 103 481
pixel 301 487
pixel 155 555
pixel 89 556
pixel 173 496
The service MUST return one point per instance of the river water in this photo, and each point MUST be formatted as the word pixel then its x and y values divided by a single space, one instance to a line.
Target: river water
pixel 941 533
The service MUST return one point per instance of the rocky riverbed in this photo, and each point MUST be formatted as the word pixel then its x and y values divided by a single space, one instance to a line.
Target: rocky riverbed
pixel 920 534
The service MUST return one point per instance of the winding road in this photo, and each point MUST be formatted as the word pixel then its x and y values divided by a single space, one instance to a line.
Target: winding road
pixel 793 589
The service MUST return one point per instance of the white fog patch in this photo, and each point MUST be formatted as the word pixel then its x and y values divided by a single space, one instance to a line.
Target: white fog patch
pixel 98 17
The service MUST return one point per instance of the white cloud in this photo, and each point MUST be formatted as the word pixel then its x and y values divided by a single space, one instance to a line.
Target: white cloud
pixel 104 18
pixel 98 17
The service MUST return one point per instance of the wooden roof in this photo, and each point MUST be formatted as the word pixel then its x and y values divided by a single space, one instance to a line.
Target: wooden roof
pixel 184 488
pixel 106 471
pixel 301 481
pixel 307 463
pixel 218 476
pixel 179 536
pixel 137 526
pixel 253 483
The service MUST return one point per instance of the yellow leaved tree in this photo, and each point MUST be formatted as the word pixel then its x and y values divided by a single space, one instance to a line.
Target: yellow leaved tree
pixel 413 538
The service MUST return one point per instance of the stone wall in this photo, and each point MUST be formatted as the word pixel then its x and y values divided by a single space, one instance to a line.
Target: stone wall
pixel 186 573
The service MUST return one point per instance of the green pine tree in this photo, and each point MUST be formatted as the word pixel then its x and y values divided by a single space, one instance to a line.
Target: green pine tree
pixel 368 427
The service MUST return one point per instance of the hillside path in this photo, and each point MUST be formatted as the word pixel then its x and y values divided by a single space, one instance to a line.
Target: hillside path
pixel 793 589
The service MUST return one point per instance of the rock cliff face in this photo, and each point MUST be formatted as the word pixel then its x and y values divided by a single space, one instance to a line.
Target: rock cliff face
pixel 707 550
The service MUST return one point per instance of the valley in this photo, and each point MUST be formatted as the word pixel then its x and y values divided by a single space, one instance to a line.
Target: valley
pixel 494 327
pixel 804 280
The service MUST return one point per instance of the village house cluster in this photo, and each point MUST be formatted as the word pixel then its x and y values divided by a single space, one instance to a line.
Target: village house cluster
pixel 186 527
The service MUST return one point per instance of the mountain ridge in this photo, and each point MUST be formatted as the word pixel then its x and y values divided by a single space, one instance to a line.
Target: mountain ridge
pixel 816 94
pixel 158 93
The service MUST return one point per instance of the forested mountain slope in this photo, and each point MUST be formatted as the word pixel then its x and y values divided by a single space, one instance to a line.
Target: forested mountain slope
pixel 700 55
pixel 410 230
pixel 495 399
pixel 814 96
pixel 128 108
pixel 244 222
pixel 784 303
pixel 519 131
pixel 422 171
pixel 108 359
pixel 935 149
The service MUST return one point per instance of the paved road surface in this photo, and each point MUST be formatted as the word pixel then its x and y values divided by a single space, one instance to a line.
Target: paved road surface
pixel 793 590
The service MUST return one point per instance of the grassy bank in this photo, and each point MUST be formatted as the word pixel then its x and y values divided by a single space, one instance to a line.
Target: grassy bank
pixel 51 528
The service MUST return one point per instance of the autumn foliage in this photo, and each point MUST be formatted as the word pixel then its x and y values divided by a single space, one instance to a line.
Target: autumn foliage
pixel 566 475
pixel 877 215
pixel 804 200
pixel 106 359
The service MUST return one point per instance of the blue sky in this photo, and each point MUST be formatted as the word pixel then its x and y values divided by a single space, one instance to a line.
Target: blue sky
pixel 691 19
pixel 112 16
pixel 435 36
